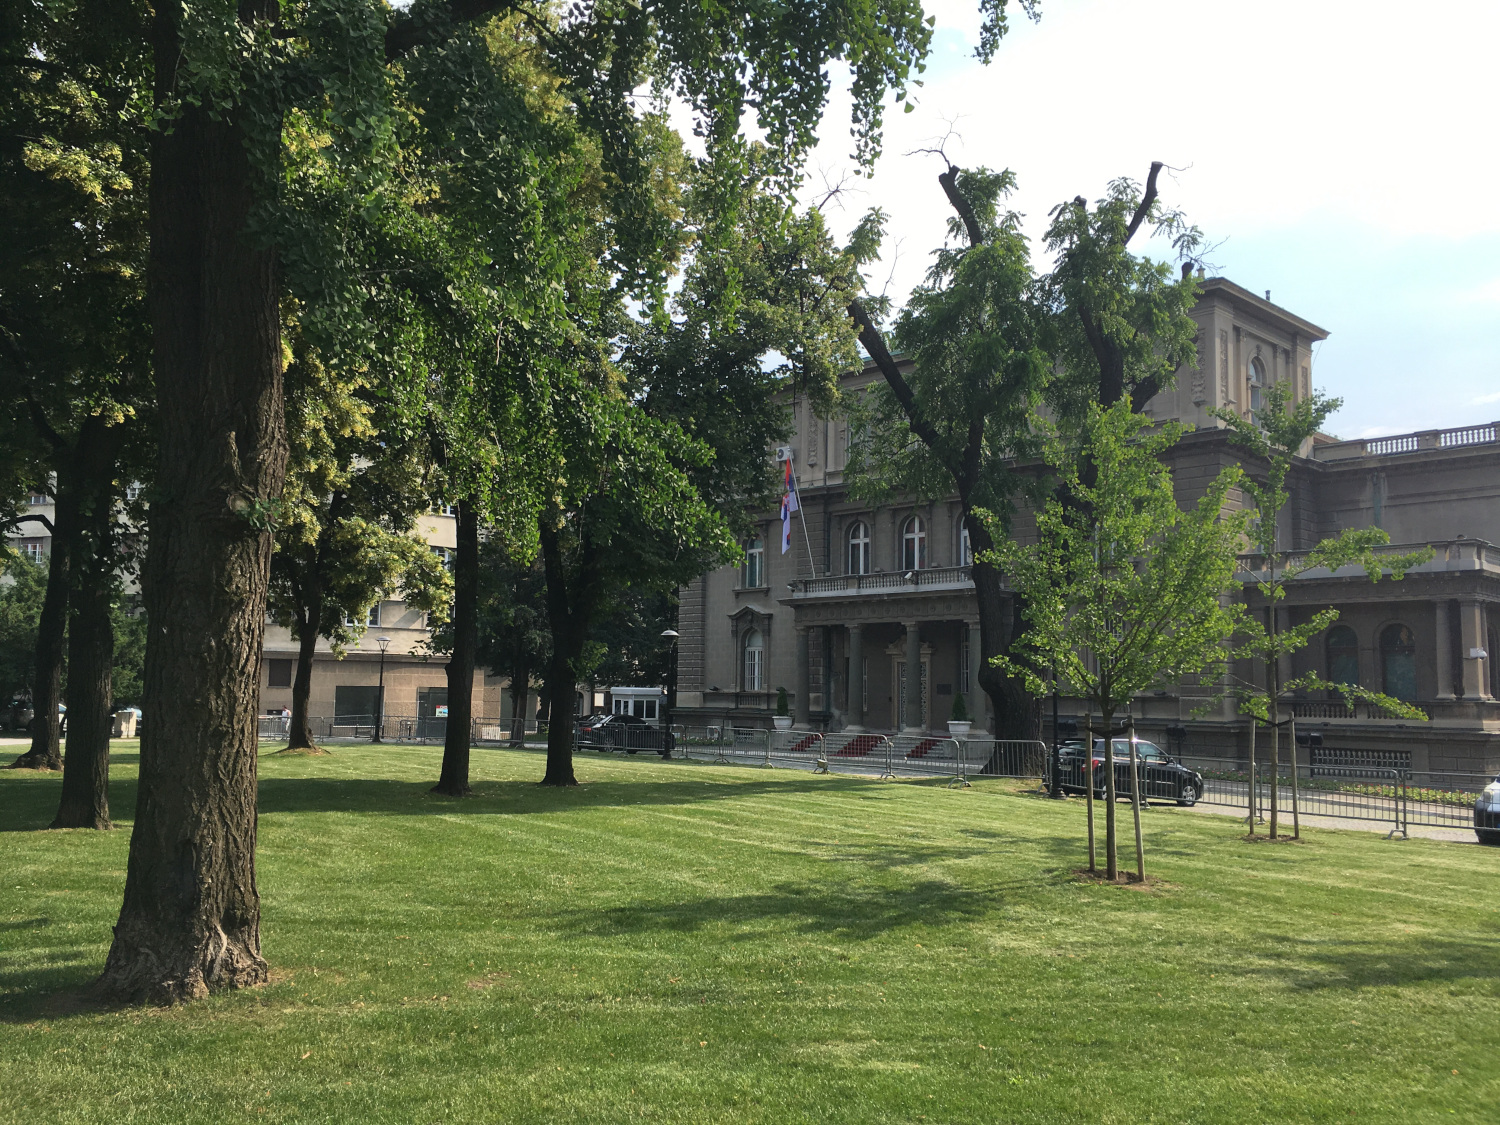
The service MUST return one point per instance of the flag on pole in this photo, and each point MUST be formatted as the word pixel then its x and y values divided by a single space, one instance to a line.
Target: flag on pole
pixel 788 506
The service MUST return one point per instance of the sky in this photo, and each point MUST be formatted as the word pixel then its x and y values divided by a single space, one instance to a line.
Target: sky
pixel 1341 155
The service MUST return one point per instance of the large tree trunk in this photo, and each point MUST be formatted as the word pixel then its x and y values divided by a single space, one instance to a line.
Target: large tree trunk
pixel 190 921
pixel 454 780
pixel 569 626
pixel 299 734
pixel 91 639
pixel 520 695
pixel 560 719
pixel 51 634
pixel 1018 714
pixel 91 650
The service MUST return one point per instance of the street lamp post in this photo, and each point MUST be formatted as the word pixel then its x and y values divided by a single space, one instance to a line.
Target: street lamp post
pixel 384 643
pixel 670 636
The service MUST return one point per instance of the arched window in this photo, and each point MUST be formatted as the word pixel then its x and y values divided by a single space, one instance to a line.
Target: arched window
pixel 755 564
pixel 1342 648
pixel 859 547
pixel 1398 662
pixel 755 661
pixel 1257 385
pixel 914 544
pixel 965 550
pixel 1494 664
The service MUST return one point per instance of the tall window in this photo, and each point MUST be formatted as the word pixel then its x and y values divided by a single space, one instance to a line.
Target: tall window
pixel 755 564
pixel 1398 661
pixel 965 551
pixel 755 662
pixel 1342 647
pixel 35 550
pixel 1257 385
pixel 914 544
pixel 859 548
pixel 1494 663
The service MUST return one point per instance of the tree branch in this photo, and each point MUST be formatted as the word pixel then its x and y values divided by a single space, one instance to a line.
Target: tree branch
pixel 949 180
pixel 409 32
pixel 1146 201
pixel 874 343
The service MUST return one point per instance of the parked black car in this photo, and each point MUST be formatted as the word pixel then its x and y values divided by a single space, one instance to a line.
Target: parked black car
pixel 1487 813
pixel 1163 778
pixel 624 732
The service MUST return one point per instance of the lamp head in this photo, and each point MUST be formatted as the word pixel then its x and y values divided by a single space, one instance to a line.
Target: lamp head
pixel 383 642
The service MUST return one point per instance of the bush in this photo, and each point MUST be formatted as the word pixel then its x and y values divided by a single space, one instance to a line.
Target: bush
pixel 783 706
pixel 960 712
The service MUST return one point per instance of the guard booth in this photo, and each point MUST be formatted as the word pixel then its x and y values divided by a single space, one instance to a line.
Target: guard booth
pixel 647 703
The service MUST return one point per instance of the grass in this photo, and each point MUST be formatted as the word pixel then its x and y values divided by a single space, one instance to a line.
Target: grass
pixel 677 942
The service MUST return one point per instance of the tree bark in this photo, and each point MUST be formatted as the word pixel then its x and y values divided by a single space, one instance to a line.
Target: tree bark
pixel 568 617
pixel 520 695
pixel 299 735
pixel 51 634
pixel 190 921
pixel 91 636
pixel 91 650
pixel 454 779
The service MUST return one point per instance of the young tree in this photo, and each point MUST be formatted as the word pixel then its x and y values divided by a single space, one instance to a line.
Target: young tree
pixel 514 640
pixel 1276 435
pixel 1123 589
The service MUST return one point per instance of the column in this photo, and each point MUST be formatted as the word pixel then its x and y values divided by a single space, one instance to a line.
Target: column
pixel 913 678
pixel 801 712
pixel 1471 620
pixel 854 689
pixel 825 639
pixel 1444 650
pixel 978 702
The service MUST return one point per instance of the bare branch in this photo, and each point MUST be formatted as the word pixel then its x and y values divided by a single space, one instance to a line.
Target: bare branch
pixel 1146 201
pixel 409 32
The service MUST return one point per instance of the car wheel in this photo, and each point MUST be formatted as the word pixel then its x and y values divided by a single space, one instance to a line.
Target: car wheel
pixel 1189 796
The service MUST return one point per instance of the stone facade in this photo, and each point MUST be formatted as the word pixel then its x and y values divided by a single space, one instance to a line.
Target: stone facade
pixel 866 592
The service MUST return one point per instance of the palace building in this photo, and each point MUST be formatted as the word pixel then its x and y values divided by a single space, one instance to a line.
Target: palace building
pixel 869 621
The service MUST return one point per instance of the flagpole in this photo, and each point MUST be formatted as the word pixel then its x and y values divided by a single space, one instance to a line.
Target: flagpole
pixel 811 565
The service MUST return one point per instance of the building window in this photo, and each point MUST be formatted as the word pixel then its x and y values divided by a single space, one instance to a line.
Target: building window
pixel 914 544
pixel 755 564
pixel 859 547
pixel 37 499
pixel 132 492
pixel 444 553
pixel 355 705
pixel 35 550
pixel 1342 648
pixel 1493 663
pixel 1398 660
pixel 278 673
pixel 965 551
pixel 371 618
pixel 755 661
pixel 1257 385
pixel 444 510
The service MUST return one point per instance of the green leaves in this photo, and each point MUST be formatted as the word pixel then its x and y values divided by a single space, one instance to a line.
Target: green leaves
pixel 1123 589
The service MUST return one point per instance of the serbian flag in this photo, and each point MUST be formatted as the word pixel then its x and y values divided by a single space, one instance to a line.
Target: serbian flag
pixel 788 506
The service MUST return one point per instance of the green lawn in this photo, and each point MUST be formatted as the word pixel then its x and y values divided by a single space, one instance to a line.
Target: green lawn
pixel 689 943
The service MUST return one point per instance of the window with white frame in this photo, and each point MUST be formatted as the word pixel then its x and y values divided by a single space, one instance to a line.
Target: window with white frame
pixel 132 492
pixel 859 547
pixel 37 499
pixel 755 564
pixel 444 509
pixel 444 553
pixel 754 662
pixel 965 551
pixel 914 544
pixel 35 550
pixel 371 618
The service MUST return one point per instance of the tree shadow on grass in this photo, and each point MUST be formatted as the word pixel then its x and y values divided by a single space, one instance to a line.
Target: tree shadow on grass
pixel 851 911
pixel 28 804
pixel 412 798
pixel 1311 964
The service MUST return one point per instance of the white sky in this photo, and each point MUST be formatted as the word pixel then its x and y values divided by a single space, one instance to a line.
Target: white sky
pixel 1343 153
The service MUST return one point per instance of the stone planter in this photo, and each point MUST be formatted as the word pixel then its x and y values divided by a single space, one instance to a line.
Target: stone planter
pixel 958 728
pixel 783 722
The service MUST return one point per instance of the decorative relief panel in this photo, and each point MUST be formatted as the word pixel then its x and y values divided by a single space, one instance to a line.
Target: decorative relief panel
pixel 1223 365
